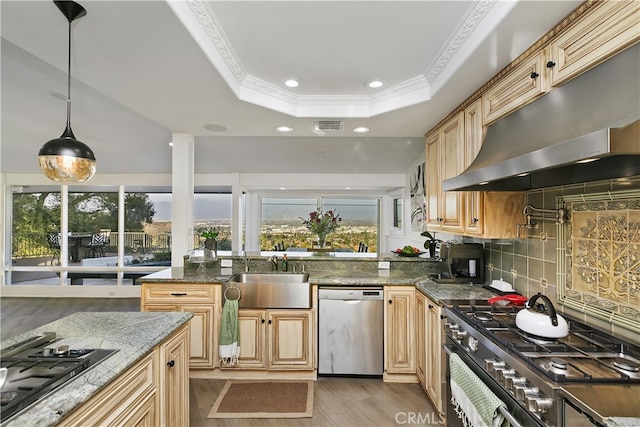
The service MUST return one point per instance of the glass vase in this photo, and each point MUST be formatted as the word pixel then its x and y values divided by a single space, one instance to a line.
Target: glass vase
pixel 322 240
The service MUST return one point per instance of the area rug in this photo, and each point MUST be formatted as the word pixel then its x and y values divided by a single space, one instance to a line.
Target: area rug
pixel 264 399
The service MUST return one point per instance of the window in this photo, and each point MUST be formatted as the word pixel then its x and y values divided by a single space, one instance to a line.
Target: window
pixel 397 212
pixel 211 210
pixel 282 223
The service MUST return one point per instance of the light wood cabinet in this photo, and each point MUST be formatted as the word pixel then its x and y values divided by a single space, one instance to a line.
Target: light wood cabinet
pixel 421 339
pixel 604 30
pixel 152 392
pixel 433 183
pixel 473 138
pixel 174 379
pixel 203 300
pixel 399 326
pixel 276 340
pixel 487 214
pixel 522 85
pixel 435 381
pixel 444 160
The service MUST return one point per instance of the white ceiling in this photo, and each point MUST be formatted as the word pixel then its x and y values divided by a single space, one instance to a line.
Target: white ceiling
pixel 143 70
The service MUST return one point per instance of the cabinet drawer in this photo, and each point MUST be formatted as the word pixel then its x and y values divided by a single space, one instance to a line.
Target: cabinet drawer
pixel 174 293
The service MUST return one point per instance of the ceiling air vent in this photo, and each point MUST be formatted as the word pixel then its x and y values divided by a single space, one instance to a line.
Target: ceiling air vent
pixel 328 125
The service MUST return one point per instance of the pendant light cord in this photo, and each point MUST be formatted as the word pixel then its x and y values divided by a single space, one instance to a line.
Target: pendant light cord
pixel 69 80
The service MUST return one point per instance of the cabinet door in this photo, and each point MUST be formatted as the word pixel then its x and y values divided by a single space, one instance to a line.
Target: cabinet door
pixel 474 136
pixel 433 183
pixel 290 337
pixel 606 29
pixel 525 83
pixel 434 374
pixel 421 338
pixel 399 330
pixel 252 336
pixel 451 160
pixel 201 335
pixel 132 396
pixel 174 379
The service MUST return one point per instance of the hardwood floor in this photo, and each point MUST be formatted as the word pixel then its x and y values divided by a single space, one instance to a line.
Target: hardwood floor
pixel 337 401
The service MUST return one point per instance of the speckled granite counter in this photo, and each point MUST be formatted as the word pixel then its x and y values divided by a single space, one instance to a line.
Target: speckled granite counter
pixel 448 293
pixel 439 292
pixel 133 334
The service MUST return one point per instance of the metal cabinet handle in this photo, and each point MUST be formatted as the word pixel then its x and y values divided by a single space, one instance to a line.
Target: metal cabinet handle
pixel 534 74
pixel 171 363
pixel 390 301
pixel 178 294
pixel 551 64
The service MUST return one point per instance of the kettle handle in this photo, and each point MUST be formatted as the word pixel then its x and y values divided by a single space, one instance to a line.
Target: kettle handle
pixel 547 304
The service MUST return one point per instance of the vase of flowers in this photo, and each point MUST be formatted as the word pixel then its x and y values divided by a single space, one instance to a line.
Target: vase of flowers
pixel 322 223
pixel 210 235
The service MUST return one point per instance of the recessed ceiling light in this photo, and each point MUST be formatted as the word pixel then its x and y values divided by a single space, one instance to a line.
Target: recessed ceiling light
pixel 291 83
pixel 483 183
pixel 284 129
pixel 361 129
pixel 523 174
pixel 374 84
pixel 215 127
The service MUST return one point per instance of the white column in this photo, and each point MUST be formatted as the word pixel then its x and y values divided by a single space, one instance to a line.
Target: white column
pixel 182 176
pixel 237 214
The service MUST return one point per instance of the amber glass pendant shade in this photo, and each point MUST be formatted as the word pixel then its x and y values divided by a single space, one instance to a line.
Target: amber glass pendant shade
pixel 65 158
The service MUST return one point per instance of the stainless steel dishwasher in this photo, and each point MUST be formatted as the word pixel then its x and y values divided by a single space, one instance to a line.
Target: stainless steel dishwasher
pixel 350 331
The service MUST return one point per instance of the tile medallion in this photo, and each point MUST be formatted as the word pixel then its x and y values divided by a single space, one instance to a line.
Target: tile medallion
pixel 601 247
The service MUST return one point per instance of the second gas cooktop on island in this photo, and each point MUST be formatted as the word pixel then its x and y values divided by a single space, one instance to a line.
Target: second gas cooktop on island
pixel 36 366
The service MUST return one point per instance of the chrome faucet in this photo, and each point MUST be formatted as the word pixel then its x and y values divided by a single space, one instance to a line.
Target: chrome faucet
pixel 246 261
pixel 274 262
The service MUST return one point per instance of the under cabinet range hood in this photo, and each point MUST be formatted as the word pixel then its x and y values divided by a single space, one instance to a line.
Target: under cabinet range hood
pixel 585 130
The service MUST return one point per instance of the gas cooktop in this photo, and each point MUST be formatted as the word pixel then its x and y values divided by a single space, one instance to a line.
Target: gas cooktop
pixel 35 367
pixel 585 355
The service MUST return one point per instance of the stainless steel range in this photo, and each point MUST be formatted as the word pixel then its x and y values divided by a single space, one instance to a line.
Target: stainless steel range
pixel 545 382
pixel 36 367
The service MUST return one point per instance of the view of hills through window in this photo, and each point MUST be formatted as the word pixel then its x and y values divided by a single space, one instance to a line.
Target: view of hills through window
pixel 282 223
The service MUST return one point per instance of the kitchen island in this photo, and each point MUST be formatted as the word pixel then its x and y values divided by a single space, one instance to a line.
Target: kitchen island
pixel 137 337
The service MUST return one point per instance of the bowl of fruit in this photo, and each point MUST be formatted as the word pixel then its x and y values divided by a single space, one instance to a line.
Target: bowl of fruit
pixel 410 251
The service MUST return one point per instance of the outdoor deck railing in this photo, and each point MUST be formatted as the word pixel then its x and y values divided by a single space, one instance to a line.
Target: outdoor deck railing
pixel 35 245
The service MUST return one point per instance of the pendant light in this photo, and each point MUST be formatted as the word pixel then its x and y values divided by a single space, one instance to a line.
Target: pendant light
pixel 66 158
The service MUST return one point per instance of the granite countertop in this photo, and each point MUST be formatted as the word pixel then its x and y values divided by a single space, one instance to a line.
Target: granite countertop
pixel 439 292
pixel 134 334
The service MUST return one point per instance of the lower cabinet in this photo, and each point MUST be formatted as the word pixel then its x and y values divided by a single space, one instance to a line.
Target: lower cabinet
pixel 276 340
pixel 153 392
pixel 399 321
pixel 200 299
pixel 429 364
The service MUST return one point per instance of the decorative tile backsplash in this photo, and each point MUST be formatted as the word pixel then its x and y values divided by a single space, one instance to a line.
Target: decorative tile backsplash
pixel 602 256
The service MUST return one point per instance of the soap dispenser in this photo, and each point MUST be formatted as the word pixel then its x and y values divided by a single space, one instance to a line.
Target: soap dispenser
pixel 285 263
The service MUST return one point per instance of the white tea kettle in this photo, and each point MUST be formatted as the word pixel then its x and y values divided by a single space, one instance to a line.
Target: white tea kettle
pixel 534 321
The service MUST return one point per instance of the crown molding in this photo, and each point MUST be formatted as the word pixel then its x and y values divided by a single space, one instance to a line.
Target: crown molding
pixel 255 90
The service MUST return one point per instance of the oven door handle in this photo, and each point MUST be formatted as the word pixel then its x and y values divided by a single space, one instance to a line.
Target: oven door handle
pixel 507 416
pixel 503 409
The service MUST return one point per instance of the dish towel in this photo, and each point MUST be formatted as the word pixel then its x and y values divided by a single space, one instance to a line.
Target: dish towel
pixel 474 402
pixel 229 346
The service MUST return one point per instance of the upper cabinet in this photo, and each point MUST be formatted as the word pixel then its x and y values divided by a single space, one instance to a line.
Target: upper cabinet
pixel 522 85
pixel 444 159
pixel 603 31
pixel 592 33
